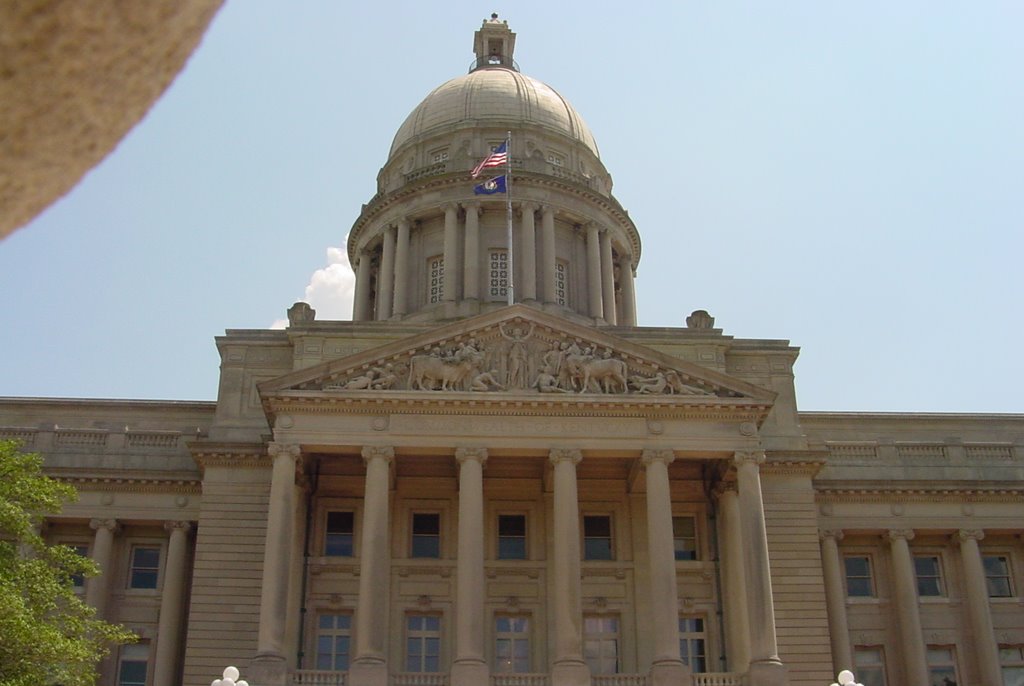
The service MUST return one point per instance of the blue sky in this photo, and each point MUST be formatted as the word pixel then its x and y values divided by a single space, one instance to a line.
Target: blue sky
pixel 846 176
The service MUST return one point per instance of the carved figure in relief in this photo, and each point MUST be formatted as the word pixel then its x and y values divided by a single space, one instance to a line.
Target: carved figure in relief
pixel 517 355
pixel 362 382
pixel 676 385
pixel 654 385
pixel 431 371
pixel 386 378
pixel 608 375
pixel 547 383
pixel 485 381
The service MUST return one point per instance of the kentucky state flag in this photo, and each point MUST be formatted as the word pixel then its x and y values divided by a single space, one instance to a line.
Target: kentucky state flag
pixel 490 186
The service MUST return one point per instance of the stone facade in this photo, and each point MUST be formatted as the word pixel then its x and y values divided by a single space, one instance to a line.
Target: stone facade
pixel 460 491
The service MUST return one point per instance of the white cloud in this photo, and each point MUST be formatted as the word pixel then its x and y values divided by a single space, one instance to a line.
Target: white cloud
pixel 330 289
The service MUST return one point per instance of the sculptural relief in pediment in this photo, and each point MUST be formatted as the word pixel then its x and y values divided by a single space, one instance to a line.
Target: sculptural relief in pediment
pixel 521 356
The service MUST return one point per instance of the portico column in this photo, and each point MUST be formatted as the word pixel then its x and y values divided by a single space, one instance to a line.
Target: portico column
pixel 607 277
pixel 470 666
pixel 569 668
pixel 734 597
pixel 528 258
pixel 628 296
pixel 908 619
pixel 765 666
pixel 386 281
pixel 594 272
pixel 471 285
pixel 451 253
pixel 97 587
pixel 835 600
pixel 401 298
pixel 277 555
pixel 361 311
pixel 985 646
pixel 172 604
pixel 369 666
pixel 666 668
pixel 547 253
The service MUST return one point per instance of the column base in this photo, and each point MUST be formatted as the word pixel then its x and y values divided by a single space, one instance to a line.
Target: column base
pixel 367 672
pixel 767 673
pixel 570 673
pixel 469 673
pixel 267 669
pixel 670 673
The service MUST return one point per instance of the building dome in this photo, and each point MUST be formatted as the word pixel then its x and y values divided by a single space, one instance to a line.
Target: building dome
pixel 490 96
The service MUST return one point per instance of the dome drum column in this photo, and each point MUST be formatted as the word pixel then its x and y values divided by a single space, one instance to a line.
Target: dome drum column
pixel 452 270
pixel 547 249
pixel 528 254
pixel 594 272
pixel 401 295
pixel 628 293
pixel 607 277
pixel 387 274
pixel 362 310
pixel 471 284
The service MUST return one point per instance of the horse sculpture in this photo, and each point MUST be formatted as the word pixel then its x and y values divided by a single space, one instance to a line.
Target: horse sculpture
pixel 609 375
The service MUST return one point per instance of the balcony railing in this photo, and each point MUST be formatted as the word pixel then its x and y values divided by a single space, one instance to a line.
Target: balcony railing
pixel 418 679
pixel 519 680
pixel 618 680
pixel 717 679
pixel 314 677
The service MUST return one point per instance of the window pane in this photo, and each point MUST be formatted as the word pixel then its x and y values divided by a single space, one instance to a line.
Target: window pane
pixel 145 568
pixel 929 581
pixel 858 576
pixel 339 538
pixel 597 526
pixel 426 524
pixel 684 532
pixel 511 525
pixel 426 535
pixel 597 537
pixel 997 576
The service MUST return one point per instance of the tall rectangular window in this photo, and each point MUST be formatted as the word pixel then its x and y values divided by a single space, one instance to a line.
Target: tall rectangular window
pixel 426 534
pixel 997 576
pixel 435 284
pixel 928 569
pixel 340 534
pixel 601 644
pixel 684 535
pixel 870 665
pixel 511 537
pixel 859 581
pixel 422 643
pixel 597 537
pixel 511 644
pixel 1011 661
pixel 145 567
pixel 692 643
pixel 133 664
pixel 497 274
pixel 941 666
pixel 82 550
pixel 333 642
pixel 561 279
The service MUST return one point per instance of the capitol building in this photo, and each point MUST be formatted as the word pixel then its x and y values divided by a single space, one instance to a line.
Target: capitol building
pixel 452 490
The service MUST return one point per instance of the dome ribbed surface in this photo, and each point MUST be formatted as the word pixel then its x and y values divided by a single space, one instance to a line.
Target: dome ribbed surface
pixel 491 97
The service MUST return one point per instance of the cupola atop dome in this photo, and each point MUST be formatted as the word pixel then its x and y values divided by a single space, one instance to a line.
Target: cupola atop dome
pixel 433 243
pixel 494 44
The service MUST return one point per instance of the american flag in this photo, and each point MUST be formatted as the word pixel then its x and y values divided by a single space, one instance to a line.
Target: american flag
pixel 497 158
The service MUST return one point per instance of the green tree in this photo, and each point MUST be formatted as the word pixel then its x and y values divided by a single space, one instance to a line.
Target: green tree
pixel 48 635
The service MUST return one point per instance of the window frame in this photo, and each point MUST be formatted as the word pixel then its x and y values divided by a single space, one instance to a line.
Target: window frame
pixel 584 548
pixel 325 539
pixel 333 633
pixel 415 537
pixel 130 568
pixel 1007 576
pixel 692 638
pixel 435 291
pixel 82 549
pixel 934 666
pixel 865 669
pixel 497 285
pixel 677 537
pixel 938 576
pixel 423 635
pixel 124 658
pixel 1009 661
pixel 499 538
pixel 514 637
pixel 870 577
pixel 603 638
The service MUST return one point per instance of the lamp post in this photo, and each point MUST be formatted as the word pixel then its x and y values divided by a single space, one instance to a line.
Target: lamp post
pixel 844 678
pixel 230 678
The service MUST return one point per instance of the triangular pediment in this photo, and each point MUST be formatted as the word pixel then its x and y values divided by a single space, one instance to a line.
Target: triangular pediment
pixel 516 351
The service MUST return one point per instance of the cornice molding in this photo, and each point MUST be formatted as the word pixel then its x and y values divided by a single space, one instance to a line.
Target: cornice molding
pixel 236 455
pixel 896 493
pixel 130 484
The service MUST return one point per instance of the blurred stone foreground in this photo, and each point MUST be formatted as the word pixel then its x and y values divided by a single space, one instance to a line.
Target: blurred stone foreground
pixel 75 77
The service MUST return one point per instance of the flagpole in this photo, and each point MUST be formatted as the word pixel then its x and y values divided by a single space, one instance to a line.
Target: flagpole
pixel 508 212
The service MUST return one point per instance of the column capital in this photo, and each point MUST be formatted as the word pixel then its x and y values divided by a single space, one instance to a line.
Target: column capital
pixel 384 452
pixel 723 487
pixel 528 206
pixel 741 457
pixel 184 527
pixel 473 454
pixel 275 450
pixel 403 221
pixel 450 207
pixel 472 206
pixel 834 534
pixel 592 228
pixel 571 455
pixel 898 534
pixel 664 456
pixel 970 534
pixel 110 525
